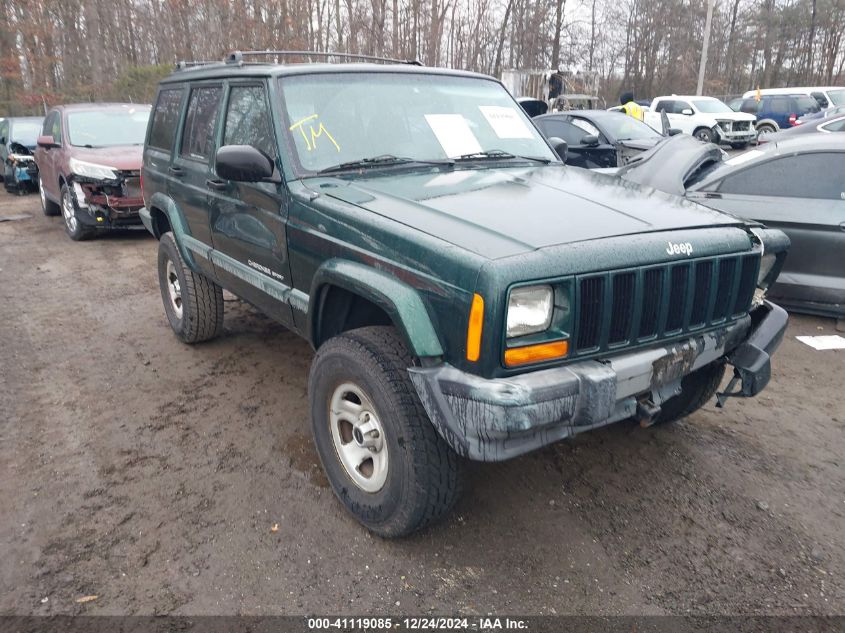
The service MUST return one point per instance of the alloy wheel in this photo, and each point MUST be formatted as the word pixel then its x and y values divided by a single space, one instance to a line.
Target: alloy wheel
pixel 358 437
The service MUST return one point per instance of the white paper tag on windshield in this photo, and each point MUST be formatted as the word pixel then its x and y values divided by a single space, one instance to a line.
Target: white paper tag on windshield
pixel 505 122
pixel 453 134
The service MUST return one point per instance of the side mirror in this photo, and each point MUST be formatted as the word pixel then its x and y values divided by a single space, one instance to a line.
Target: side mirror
pixel 560 147
pixel 46 141
pixel 673 131
pixel 591 140
pixel 687 111
pixel 243 163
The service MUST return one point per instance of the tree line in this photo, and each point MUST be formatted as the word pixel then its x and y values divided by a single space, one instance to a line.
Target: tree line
pixel 55 51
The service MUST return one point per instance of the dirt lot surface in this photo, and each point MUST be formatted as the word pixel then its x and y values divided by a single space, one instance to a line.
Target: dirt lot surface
pixel 150 474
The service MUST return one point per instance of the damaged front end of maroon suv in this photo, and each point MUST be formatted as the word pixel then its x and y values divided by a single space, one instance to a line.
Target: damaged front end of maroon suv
pixel 89 165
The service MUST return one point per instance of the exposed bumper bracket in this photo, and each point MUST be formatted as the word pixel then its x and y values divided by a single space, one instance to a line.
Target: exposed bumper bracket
pixel 752 359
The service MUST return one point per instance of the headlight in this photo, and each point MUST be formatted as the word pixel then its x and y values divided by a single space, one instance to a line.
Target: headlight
pixel 766 263
pixel 92 170
pixel 529 310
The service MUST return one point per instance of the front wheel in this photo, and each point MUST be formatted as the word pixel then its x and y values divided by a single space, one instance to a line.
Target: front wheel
pixel 704 135
pixel 696 390
pixel 384 459
pixel 75 229
pixel 192 302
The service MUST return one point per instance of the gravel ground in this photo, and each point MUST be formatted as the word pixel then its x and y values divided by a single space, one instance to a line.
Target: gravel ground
pixel 150 474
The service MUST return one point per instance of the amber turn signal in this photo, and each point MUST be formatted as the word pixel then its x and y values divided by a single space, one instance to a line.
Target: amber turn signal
pixel 476 321
pixel 535 353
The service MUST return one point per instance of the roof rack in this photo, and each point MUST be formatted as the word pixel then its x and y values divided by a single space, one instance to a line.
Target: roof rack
pixel 237 57
pixel 183 65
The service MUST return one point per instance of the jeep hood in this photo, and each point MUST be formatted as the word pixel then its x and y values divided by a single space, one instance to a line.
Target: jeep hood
pixel 507 211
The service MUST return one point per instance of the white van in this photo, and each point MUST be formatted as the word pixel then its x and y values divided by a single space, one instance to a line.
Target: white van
pixel 827 96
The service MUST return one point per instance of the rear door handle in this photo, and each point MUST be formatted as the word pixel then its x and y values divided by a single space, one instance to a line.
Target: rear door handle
pixel 219 185
pixel 176 171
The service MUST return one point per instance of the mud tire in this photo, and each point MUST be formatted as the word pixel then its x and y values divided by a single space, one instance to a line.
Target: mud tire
pixel 201 298
pixel 425 477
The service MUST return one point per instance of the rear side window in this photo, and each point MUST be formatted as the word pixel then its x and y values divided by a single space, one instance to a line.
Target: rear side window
pixel 248 120
pixel 200 123
pixel 166 119
pixel 805 103
pixel 834 126
pixel 817 175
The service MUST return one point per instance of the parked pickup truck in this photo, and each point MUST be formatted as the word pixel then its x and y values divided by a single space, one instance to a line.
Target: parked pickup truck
pixel 706 118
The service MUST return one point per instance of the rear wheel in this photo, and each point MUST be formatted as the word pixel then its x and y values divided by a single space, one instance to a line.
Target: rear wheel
pixel 75 229
pixel 696 390
pixel 192 302
pixel 384 459
pixel 47 206
pixel 765 128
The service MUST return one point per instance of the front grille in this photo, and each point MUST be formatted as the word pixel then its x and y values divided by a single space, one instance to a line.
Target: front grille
pixel 626 307
pixel 742 126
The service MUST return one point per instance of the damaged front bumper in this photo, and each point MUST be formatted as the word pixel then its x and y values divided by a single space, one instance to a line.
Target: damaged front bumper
pixel 497 419
pixel 108 203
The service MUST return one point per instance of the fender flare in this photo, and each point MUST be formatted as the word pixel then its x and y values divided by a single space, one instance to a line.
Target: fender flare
pixel 770 122
pixel 177 222
pixel 402 303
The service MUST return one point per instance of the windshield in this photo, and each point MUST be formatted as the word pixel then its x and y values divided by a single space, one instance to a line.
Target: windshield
pixel 710 106
pixel 335 118
pixel 627 128
pixel 108 128
pixel 836 97
pixel 25 132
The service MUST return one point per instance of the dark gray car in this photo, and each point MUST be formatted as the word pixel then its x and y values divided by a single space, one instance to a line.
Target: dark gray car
pixel 796 185
pixel 833 123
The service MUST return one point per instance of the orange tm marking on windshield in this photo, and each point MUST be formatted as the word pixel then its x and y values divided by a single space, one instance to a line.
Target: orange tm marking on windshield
pixel 315 130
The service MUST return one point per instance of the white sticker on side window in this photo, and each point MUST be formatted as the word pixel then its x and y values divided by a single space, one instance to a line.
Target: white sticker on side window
pixel 453 134
pixel 506 122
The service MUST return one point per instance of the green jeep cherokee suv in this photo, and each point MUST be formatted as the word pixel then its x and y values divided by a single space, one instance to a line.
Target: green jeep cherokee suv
pixel 467 295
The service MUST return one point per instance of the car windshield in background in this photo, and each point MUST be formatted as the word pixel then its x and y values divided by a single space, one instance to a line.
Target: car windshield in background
pixel 25 133
pixel 108 128
pixel 711 106
pixel 806 103
pixel 626 128
pixel 337 118
pixel 837 97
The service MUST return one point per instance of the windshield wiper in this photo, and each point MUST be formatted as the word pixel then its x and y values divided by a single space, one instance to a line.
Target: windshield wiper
pixel 497 154
pixel 384 160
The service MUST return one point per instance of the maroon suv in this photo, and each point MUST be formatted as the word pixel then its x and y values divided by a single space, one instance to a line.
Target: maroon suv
pixel 89 165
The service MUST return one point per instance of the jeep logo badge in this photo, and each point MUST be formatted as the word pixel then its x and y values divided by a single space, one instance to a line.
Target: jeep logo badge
pixel 683 248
